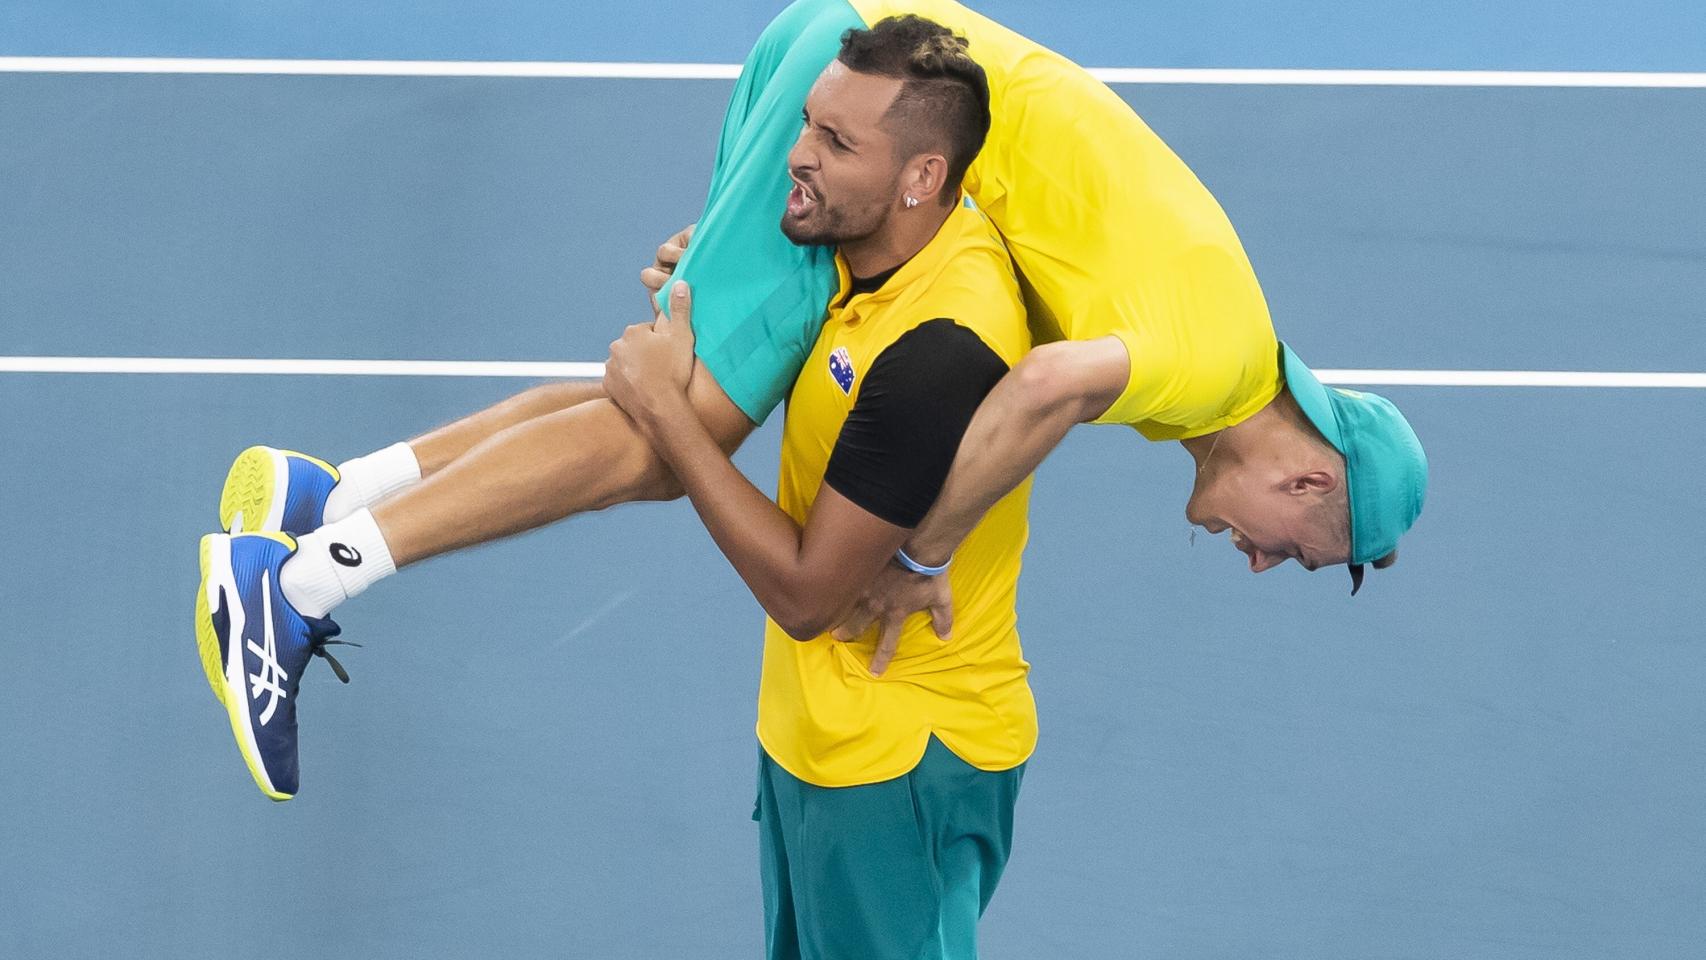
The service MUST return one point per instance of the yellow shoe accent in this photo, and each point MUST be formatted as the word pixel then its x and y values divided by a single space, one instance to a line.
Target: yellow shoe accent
pixel 246 501
pixel 232 712
pixel 205 637
pixel 254 763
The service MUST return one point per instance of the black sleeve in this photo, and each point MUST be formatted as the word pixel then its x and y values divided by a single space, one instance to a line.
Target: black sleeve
pixel 899 441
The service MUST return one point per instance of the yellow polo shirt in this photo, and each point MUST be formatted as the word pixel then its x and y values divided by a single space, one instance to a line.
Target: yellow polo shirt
pixel 821 715
pixel 1113 235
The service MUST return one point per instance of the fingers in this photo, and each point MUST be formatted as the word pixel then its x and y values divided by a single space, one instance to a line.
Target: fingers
pixel 672 250
pixel 613 383
pixel 669 254
pixel 631 332
pixel 653 278
pixel 942 617
pixel 681 306
pixel 940 603
pixel 855 625
pixel 887 644
pixel 677 321
pixel 668 257
pixel 619 346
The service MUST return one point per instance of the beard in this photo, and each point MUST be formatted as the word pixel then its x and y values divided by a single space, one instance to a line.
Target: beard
pixel 809 231
pixel 824 225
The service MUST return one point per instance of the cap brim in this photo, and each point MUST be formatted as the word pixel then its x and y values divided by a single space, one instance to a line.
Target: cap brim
pixel 1311 395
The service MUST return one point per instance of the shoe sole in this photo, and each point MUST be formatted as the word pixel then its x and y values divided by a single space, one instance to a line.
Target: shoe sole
pixel 256 488
pixel 227 678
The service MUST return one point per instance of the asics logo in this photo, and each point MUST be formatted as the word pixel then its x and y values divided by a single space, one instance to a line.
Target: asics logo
pixel 346 555
pixel 271 673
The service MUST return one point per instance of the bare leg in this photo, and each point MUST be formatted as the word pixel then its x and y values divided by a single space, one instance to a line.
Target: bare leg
pixel 540 469
pixel 435 450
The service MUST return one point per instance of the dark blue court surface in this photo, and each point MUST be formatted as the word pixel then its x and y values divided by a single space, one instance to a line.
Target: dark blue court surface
pixel 1493 752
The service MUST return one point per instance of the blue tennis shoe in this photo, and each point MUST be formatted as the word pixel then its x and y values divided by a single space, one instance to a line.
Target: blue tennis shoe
pixel 272 489
pixel 254 647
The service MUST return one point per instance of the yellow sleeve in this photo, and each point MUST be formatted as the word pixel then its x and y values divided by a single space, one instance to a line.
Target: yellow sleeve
pixel 1202 349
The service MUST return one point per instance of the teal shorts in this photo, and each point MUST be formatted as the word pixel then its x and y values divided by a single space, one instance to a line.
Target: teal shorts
pixel 898 870
pixel 759 300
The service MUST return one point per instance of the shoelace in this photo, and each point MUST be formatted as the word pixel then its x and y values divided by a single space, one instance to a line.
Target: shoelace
pixel 318 649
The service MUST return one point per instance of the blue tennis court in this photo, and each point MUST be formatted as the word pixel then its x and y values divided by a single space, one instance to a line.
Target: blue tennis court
pixel 547 749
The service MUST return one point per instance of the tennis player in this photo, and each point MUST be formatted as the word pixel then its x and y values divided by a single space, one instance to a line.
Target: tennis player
pixel 885 804
pixel 1121 252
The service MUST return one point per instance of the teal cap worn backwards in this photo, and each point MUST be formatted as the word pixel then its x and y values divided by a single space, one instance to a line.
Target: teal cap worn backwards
pixel 1385 469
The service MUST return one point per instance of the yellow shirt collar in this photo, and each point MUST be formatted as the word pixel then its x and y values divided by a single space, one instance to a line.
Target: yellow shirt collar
pixel 924 264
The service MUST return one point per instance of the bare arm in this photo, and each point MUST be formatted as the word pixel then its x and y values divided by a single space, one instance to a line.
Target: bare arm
pixel 1023 418
pixel 1054 387
pixel 800 577
pixel 806 578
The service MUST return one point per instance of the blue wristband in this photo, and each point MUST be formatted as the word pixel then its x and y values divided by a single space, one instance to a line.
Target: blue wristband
pixel 919 568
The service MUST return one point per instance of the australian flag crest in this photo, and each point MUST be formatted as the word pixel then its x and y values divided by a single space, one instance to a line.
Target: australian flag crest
pixel 841 368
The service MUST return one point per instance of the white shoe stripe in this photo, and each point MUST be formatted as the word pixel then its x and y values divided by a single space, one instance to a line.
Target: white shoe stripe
pixel 236 676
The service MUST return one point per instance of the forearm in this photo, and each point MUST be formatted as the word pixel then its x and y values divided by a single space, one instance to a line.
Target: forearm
pixel 1007 439
pixel 763 543
pixel 1027 414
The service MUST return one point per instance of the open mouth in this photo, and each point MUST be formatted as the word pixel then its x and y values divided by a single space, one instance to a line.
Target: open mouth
pixel 1245 548
pixel 801 199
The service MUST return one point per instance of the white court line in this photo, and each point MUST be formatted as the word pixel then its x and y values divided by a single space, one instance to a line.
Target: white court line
pixel 1400 78
pixel 728 71
pixel 336 368
pixel 1513 378
pixel 377 68
pixel 554 370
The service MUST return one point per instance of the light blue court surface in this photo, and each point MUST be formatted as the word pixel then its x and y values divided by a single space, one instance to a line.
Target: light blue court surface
pixel 1494 752
pixel 1663 35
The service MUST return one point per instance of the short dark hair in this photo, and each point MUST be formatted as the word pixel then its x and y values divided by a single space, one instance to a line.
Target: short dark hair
pixel 944 96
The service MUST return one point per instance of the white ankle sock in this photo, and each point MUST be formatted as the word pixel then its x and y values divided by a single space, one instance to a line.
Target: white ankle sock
pixel 334 563
pixel 365 481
